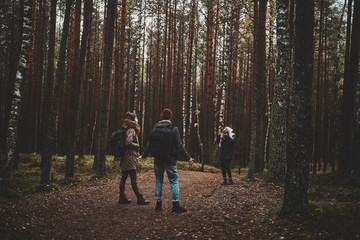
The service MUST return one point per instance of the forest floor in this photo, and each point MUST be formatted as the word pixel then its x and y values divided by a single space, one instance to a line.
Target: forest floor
pixel 245 210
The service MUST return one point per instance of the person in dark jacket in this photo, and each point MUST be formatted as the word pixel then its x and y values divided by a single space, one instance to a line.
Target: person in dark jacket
pixel 129 159
pixel 226 141
pixel 168 164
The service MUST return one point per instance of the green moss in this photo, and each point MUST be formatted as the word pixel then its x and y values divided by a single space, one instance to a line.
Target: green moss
pixel 334 208
pixel 184 165
pixel 26 179
pixel 148 165
pixel 145 165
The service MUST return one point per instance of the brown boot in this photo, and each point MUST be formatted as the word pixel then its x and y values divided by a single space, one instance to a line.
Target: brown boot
pixel 142 201
pixel 123 199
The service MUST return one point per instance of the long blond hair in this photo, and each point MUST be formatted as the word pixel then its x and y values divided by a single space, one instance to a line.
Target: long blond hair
pixel 230 131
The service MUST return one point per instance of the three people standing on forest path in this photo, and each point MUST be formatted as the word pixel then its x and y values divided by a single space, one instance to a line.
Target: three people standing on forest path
pixel 165 144
pixel 129 159
pixel 226 141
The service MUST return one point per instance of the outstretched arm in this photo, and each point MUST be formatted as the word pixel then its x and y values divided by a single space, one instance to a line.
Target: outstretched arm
pixel 180 146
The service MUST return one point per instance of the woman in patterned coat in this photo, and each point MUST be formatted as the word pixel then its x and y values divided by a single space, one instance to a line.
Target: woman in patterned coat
pixel 129 159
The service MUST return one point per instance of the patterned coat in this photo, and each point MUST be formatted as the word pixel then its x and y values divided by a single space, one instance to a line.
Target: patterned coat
pixel 129 160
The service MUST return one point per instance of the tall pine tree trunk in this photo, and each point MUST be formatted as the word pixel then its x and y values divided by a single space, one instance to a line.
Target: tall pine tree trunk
pixel 299 145
pixel 121 79
pixel 252 109
pixel 142 76
pixel 333 142
pixel 74 95
pixel 49 148
pixel 260 90
pixel 105 87
pixel 319 98
pixel 349 93
pixel 189 73
pixel 156 76
pixel 48 144
pixel 208 121
pixel 84 51
pixel 166 59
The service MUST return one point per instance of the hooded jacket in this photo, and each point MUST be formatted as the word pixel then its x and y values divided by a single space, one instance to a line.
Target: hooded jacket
pixel 176 148
pixel 129 160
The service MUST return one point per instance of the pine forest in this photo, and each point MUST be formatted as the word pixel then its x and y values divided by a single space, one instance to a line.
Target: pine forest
pixel 283 74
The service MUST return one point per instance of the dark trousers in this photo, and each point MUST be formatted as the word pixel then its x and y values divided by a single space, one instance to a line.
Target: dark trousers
pixel 134 186
pixel 225 167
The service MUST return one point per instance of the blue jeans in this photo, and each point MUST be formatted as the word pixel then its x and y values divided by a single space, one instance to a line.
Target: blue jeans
pixel 172 174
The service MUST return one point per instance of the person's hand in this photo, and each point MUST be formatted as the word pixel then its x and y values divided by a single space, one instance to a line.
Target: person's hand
pixel 191 161
pixel 139 157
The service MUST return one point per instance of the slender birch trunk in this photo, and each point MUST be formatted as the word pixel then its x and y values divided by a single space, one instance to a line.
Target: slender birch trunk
pixel 278 121
pixel 13 126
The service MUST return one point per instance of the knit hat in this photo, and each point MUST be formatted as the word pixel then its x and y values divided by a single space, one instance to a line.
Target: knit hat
pixel 166 114
pixel 130 115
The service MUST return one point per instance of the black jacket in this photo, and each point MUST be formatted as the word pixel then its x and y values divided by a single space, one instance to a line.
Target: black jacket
pixel 227 147
pixel 176 148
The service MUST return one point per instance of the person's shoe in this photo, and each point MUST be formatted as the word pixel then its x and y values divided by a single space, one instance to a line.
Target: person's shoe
pixel 123 200
pixel 224 182
pixel 158 206
pixel 230 182
pixel 142 201
pixel 177 208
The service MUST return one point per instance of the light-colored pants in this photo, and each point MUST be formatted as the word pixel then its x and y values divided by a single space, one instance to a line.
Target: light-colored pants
pixel 172 174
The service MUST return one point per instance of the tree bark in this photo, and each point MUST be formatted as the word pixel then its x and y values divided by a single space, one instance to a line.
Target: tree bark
pixel 347 159
pixel 84 51
pixel 278 121
pixel 260 90
pixel 319 98
pixel 74 95
pixel 166 59
pixel 156 76
pixel 208 122
pixel 59 82
pixel 13 126
pixel 105 86
pixel 189 73
pixel 12 19
pixel 121 79
pixel 299 147
pixel 49 97
pixel 252 109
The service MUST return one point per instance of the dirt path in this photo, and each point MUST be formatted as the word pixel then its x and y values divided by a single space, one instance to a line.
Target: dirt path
pixel 241 211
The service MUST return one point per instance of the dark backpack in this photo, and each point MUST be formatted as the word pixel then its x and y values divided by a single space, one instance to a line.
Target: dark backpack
pixel 161 141
pixel 116 142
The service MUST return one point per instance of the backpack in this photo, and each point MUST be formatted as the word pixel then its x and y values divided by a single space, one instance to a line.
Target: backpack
pixel 116 142
pixel 161 141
